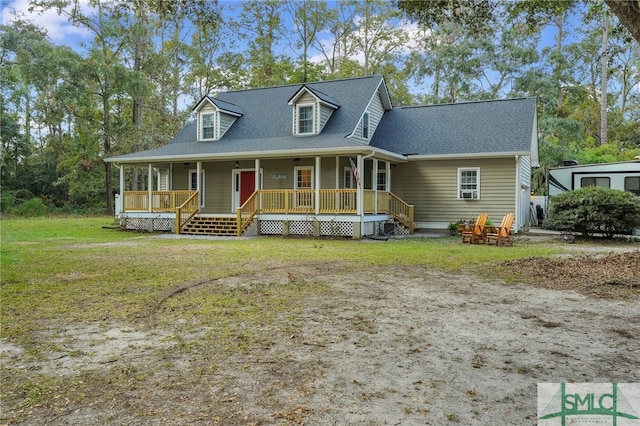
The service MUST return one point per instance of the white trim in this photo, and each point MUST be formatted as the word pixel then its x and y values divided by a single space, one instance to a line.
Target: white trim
pixel 235 191
pixel 304 88
pixel 468 194
pixel 281 153
pixel 295 176
pixel 417 157
pixel 216 124
pixel 201 183
pixel 368 127
pixel 297 119
pixel 352 180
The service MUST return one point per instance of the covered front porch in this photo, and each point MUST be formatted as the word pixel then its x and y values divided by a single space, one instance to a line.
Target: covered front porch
pixel 316 196
pixel 318 212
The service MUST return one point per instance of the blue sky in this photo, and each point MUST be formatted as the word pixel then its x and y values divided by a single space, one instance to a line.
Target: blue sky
pixel 60 31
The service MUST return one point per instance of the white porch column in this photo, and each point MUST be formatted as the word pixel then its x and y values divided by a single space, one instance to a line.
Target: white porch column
pixel 374 185
pixel 360 183
pixel 150 186
pixel 257 174
pixel 121 204
pixel 337 172
pixel 360 186
pixel 199 182
pixel 317 185
pixel 388 183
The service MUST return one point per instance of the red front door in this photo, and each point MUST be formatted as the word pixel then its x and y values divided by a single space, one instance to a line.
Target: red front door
pixel 247 185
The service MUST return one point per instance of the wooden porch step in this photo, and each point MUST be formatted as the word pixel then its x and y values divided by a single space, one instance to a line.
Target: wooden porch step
pixel 206 225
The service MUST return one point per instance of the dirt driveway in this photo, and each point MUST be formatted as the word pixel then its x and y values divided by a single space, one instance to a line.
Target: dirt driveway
pixel 380 346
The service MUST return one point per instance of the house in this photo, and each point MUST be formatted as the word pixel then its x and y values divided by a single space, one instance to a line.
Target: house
pixel 333 158
pixel 623 175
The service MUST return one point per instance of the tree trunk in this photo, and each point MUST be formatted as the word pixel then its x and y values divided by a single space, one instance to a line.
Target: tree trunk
pixel 605 70
pixel 628 12
pixel 559 26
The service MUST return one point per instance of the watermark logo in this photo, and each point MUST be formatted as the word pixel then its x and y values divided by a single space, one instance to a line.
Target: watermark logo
pixel 616 404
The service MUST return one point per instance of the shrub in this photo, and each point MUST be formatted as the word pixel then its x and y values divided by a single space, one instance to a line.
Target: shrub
pixel 593 209
pixel 33 207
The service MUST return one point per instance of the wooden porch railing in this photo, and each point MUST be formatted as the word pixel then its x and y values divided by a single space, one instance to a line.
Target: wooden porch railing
pixel 402 211
pixel 246 212
pixel 284 201
pixel 332 201
pixel 161 201
pixel 186 211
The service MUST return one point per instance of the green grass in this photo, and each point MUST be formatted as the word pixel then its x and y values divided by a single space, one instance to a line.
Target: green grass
pixel 72 269
pixel 60 274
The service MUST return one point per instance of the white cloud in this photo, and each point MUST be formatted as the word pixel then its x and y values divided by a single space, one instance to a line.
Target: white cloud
pixel 58 28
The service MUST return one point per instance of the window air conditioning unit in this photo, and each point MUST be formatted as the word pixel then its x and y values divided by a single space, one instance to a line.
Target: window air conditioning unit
pixel 469 195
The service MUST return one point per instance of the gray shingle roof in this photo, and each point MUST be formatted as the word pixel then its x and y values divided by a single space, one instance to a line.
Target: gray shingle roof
pixel 318 94
pixel 225 106
pixel 499 126
pixel 266 123
pixel 488 127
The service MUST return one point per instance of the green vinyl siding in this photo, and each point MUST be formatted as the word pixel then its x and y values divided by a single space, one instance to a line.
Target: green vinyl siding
pixel 431 186
pixel 226 121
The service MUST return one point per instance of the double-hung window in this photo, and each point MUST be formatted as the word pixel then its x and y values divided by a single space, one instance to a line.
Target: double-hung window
pixel 208 126
pixel 469 183
pixel 381 181
pixel 305 119
pixel 365 126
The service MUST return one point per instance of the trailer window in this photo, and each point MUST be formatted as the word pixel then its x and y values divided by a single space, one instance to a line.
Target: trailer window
pixel 632 184
pixel 604 182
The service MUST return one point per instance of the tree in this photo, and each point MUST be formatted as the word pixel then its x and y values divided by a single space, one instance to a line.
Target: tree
pixel 309 18
pixel 628 12
pixel 261 25
pixel 476 13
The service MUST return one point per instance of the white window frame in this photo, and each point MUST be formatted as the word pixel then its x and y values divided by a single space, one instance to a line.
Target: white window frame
pixel 295 176
pixel 313 118
pixel 190 184
pixel 381 186
pixel 462 188
pixel 215 121
pixel 365 126
pixel 349 179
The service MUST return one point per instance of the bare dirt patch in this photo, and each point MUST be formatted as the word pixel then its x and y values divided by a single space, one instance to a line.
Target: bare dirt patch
pixel 615 275
pixel 378 346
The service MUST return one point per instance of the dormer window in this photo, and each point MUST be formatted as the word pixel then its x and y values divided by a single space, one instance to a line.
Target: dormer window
pixel 311 110
pixel 305 119
pixel 208 126
pixel 215 117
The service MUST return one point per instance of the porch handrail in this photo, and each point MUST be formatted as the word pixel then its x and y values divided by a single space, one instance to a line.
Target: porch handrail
pixel 401 211
pixel 246 212
pixel 161 201
pixel 187 210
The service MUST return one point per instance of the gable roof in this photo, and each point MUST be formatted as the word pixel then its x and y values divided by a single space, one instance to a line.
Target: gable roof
pixel 223 106
pixel 322 97
pixel 466 128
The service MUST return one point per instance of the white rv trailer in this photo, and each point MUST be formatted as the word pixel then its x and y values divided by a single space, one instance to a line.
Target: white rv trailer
pixel 623 175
